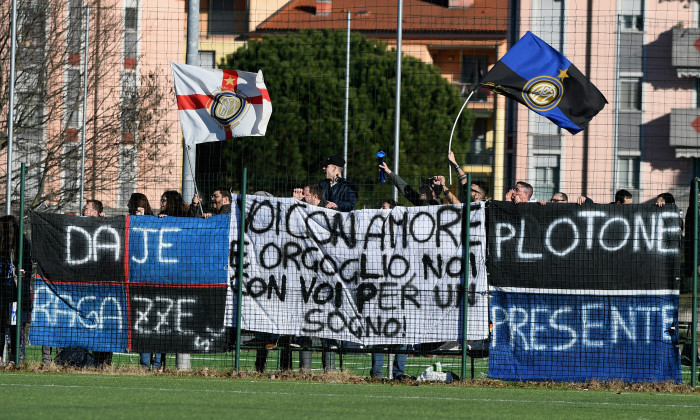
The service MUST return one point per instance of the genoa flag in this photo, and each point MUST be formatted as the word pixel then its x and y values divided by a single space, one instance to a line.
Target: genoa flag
pixel 220 104
pixel 541 78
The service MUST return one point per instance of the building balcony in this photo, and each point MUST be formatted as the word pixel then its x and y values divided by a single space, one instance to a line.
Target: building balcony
pixel 685 132
pixel 686 51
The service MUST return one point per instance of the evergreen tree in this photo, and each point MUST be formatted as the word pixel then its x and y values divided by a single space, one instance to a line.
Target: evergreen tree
pixel 305 76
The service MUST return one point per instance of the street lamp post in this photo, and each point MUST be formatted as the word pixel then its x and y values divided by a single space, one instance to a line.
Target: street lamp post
pixel 347 98
pixel 347 92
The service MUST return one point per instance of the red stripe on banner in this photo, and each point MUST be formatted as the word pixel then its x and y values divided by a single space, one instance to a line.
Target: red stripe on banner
pixel 229 134
pixel 180 285
pixel 126 282
pixel 265 94
pixel 111 283
pixel 185 102
pixel 126 250
pixel 229 79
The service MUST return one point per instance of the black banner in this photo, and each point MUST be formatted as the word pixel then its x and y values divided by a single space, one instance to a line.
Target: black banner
pixel 177 318
pixel 75 248
pixel 589 247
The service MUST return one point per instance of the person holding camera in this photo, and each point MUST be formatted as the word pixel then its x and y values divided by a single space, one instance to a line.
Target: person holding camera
pixel 429 190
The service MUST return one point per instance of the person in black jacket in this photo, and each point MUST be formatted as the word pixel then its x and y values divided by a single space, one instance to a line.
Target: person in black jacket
pixel 427 194
pixel 339 193
pixel 220 204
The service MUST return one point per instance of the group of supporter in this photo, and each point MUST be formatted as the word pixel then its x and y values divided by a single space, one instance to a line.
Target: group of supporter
pixel 332 192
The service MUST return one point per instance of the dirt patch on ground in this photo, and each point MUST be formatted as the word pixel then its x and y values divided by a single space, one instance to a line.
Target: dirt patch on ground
pixel 346 377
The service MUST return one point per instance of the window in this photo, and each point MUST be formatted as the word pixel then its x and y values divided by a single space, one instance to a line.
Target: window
pixel 131 16
pixel 73 105
pixel 474 67
pixel 130 37
pixel 628 173
pixel 129 107
pixel 71 172
pixel 546 176
pixel 75 26
pixel 207 59
pixel 228 17
pixel 630 94
pixel 479 154
pixel 631 23
pixel 126 177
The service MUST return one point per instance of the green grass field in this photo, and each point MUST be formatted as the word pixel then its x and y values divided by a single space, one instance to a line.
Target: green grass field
pixel 101 396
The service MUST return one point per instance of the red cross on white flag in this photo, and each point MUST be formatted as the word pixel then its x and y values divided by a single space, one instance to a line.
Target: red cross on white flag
pixel 220 104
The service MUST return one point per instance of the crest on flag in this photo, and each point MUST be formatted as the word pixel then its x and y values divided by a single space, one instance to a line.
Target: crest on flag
pixel 216 104
pixel 543 93
pixel 226 107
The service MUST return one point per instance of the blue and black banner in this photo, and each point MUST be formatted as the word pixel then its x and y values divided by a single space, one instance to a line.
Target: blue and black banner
pixel 541 78
pixel 584 292
pixel 143 283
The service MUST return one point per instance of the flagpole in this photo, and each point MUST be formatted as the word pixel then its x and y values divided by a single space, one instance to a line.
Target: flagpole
pixel 192 58
pixel 182 360
pixel 449 147
pixel 189 162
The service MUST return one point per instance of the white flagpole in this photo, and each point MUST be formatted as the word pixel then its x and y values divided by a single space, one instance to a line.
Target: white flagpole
pixel 449 147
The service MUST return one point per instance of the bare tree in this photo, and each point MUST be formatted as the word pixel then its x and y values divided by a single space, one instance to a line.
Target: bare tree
pixel 121 129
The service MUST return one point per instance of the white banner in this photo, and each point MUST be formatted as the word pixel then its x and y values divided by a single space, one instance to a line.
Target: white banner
pixel 367 276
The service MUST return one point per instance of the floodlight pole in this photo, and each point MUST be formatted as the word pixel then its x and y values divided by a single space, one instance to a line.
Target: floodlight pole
pixel 20 271
pixel 347 98
pixel 84 116
pixel 694 315
pixel 397 111
pixel 11 111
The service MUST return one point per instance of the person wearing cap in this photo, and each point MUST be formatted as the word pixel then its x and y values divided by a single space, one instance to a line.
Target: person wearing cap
pixel 429 191
pixel 339 193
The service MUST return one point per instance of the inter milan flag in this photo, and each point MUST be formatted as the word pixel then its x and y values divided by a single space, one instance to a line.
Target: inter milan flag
pixel 220 104
pixel 541 78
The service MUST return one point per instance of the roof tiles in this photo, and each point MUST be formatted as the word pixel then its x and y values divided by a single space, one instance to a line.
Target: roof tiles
pixel 381 15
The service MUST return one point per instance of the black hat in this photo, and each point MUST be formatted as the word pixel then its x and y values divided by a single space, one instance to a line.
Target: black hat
pixel 336 160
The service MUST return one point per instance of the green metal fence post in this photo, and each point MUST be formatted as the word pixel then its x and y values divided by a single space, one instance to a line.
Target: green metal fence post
pixel 466 220
pixel 693 341
pixel 239 272
pixel 20 269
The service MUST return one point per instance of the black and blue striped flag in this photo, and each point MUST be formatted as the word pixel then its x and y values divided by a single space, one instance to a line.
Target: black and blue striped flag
pixel 541 78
